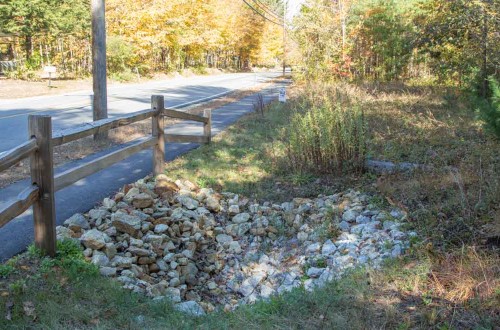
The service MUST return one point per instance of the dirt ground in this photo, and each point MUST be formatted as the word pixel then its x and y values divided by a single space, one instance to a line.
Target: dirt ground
pixel 13 89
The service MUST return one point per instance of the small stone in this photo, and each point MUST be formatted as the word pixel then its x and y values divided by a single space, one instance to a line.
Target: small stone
pixel 139 251
pixel 154 240
pixel 233 209
pixel 212 204
pixel 98 214
pixel 108 203
pixel 136 242
pixel 246 289
pixel 328 248
pixel 110 250
pixel 161 228
pixel 77 222
pixel 349 215
pixel 188 202
pixel 107 271
pixel 175 282
pixel 94 239
pixel 173 294
pixel 243 228
pixel 88 252
pixel 146 260
pixel 396 251
pixel 111 231
pixel 153 268
pixel 170 246
pixel 388 225
pixel 191 308
pixel 266 291
pixel 100 260
pixel 64 233
pixel 142 201
pixel 241 218
pixel 302 236
pixel 223 238
pixel 344 226
pixel 313 248
pixel 126 223
pixel 211 285
pixel 123 262
pixel 315 272
pixel 398 214
pixel 234 247
pixel 188 254
pixel 363 219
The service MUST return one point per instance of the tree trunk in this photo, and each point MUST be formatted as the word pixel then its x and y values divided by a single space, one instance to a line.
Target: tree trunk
pixel 28 47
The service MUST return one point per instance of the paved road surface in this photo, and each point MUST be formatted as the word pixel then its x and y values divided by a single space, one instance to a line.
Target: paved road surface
pixel 74 108
pixel 84 194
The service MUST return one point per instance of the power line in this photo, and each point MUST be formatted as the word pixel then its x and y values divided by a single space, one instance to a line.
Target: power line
pixel 266 9
pixel 260 14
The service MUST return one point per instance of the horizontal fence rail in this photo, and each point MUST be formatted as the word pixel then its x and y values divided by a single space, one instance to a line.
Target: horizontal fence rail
pixel 16 207
pixel 98 126
pixel 184 115
pixel 15 155
pixel 44 184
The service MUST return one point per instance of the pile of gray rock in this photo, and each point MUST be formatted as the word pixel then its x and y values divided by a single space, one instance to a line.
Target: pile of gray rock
pixel 204 250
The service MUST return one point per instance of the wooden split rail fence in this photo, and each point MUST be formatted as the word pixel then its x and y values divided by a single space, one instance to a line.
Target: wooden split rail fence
pixel 44 184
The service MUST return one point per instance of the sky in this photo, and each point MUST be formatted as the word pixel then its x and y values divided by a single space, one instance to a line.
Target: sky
pixel 293 7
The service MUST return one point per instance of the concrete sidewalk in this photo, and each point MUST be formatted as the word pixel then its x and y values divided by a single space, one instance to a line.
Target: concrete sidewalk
pixel 84 194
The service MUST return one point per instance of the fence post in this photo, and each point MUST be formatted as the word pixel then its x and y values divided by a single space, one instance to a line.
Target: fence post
pixel 42 174
pixel 157 104
pixel 207 127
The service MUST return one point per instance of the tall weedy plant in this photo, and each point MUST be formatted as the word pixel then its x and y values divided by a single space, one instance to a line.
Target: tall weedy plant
pixel 327 132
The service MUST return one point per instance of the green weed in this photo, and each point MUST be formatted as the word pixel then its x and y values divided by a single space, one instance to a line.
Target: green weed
pixel 6 270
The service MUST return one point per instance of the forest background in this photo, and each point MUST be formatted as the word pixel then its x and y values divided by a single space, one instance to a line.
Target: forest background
pixel 433 41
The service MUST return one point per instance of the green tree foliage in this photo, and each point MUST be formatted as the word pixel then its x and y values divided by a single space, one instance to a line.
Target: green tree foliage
pixel 148 35
pixel 457 42
pixel 462 39
pixel 28 18
pixel 489 110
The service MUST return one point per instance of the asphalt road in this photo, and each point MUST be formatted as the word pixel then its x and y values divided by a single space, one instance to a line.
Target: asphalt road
pixel 84 194
pixel 71 109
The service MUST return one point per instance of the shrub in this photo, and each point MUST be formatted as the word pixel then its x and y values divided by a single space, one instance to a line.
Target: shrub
pixel 489 112
pixel 5 270
pixel 326 133
pixel 119 54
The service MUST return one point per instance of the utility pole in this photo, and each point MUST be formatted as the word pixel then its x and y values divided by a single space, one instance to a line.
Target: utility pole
pixel 284 36
pixel 100 103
